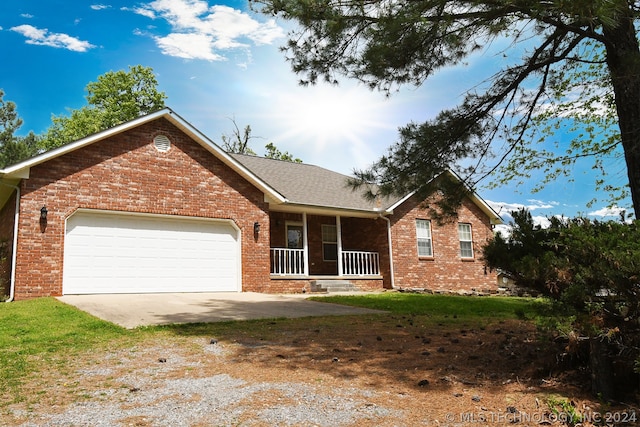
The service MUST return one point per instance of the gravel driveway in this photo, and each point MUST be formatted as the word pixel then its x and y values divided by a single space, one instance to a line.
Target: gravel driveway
pixel 150 395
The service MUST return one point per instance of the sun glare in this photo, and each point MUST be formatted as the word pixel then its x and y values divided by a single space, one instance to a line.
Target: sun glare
pixel 331 115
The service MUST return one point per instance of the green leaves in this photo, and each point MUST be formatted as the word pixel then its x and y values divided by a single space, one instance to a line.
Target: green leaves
pixel 576 261
pixel 115 98
pixel 13 148
pixel 559 81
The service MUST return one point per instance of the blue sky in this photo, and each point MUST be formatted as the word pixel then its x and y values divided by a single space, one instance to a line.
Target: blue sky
pixel 219 62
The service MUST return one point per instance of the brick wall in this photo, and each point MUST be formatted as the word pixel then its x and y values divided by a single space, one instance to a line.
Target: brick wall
pixel 445 270
pixel 126 173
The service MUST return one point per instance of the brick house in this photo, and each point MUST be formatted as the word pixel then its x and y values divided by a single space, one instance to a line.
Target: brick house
pixel 153 205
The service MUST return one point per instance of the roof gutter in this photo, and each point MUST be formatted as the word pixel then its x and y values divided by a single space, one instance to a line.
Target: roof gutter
pixel 393 281
pixel 14 250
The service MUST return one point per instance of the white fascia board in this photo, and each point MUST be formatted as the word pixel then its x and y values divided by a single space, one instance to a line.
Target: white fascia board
pixel 494 218
pixel 326 210
pixel 21 170
pixel 479 201
pixel 391 208
pixel 215 149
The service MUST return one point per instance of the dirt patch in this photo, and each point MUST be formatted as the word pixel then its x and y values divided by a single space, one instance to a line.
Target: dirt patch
pixel 363 370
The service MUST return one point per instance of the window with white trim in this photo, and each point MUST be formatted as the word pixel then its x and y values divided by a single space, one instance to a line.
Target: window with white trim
pixel 423 233
pixel 329 243
pixel 466 240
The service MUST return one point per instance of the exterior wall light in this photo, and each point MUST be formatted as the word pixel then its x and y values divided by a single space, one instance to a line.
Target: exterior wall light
pixel 256 228
pixel 43 219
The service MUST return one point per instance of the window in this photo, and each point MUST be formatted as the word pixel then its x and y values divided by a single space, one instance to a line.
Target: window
pixel 423 232
pixel 466 241
pixel 294 236
pixel 329 243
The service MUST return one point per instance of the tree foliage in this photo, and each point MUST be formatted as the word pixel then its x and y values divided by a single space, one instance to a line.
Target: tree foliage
pixel 571 260
pixel 388 44
pixel 591 268
pixel 238 143
pixel 13 149
pixel 116 97
pixel 274 153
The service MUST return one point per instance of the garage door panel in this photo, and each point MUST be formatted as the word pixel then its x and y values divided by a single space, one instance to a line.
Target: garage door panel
pixel 116 253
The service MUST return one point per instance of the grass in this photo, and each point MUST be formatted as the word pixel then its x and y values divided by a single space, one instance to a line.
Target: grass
pixel 44 334
pixel 450 307
pixel 40 334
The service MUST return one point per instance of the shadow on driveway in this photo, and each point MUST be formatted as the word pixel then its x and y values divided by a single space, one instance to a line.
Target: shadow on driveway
pixel 133 310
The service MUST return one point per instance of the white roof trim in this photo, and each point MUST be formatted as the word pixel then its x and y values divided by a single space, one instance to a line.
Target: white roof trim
pixel 475 198
pixel 21 170
pixel 56 152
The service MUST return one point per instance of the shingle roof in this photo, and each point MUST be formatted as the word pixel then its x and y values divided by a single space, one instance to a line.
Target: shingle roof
pixel 306 184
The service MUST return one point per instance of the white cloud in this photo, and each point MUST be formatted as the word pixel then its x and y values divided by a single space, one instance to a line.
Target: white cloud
pixel 540 220
pixel 611 211
pixel 505 208
pixel 100 6
pixel 43 37
pixel 188 46
pixel 26 15
pixel 203 32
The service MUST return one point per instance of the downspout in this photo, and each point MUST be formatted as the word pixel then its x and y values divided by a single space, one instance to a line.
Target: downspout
pixel 14 251
pixel 393 282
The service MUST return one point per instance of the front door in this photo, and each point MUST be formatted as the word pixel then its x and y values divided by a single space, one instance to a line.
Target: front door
pixel 294 236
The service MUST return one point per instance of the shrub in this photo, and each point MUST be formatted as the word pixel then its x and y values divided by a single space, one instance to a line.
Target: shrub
pixel 590 267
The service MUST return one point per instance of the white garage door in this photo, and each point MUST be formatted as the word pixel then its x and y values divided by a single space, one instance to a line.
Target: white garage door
pixel 117 253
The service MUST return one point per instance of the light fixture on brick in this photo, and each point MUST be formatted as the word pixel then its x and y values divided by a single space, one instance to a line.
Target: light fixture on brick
pixel 43 218
pixel 256 228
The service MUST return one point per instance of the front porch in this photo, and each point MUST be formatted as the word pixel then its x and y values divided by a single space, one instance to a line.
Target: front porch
pixel 307 248
pixel 293 262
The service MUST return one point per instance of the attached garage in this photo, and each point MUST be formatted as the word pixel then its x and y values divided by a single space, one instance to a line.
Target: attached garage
pixel 113 252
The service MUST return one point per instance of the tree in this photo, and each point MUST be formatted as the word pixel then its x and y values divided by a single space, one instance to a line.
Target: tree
pixel 592 269
pixel 274 153
pixel 116 97
pixel 238 143
pixel 387 44
pixel 13 149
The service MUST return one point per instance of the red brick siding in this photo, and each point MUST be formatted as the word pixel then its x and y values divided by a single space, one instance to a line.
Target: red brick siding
pixel 126 173
pixel 445 270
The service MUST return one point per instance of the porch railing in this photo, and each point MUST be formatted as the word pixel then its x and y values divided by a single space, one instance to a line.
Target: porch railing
pixel 287 262
pixel 359 263
pixel 290 262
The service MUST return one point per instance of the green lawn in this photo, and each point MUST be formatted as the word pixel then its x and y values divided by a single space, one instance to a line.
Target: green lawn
pixel 39 334
pixel 448 306
pixel 43 334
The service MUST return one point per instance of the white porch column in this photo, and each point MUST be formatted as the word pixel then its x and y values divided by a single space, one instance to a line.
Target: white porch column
pixel 305 243
pixel 339 244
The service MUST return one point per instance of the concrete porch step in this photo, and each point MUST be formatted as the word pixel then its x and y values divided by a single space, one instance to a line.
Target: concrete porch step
pixel 334 285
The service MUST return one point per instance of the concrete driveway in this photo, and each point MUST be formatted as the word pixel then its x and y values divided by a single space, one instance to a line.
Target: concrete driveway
pixel 132 310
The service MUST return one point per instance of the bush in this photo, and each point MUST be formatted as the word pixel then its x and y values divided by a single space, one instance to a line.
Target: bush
pixel 590 267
